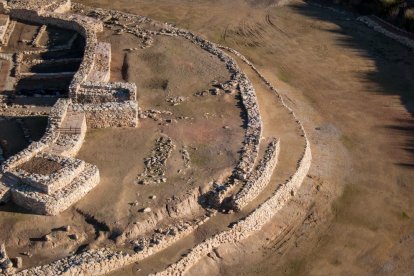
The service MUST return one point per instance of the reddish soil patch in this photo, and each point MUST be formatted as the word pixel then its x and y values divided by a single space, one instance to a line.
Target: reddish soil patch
pixel 39 165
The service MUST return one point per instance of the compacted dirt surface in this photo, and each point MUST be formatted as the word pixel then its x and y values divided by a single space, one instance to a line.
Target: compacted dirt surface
pixel 353 88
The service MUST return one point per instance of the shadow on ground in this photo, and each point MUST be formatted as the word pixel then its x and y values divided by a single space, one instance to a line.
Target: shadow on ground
pixel 394 65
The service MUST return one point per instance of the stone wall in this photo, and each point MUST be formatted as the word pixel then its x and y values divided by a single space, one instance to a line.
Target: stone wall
pixel 85 26
pixel 4 23
pixel 52 182
pixel 111 114
pixel 56 117
pixel 38 36
pixel 91 92
pixel 110 98
pixel 52 204
pixel 101 71
pixel 105 260
pixel 186 206
pixel 71 135
pixel 47 76
pixel 4 193
pixel 253 132
pixel 57 6
pixel 251 224
pixel 403 39
pixel 259 178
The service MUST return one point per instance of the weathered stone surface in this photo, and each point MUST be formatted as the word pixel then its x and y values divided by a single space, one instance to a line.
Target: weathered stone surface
pixel 155 164
pixel 259 178
pixel 52 204
pixel 55 181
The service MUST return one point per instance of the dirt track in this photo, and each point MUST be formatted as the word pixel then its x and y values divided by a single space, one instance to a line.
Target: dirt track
pixel 354 89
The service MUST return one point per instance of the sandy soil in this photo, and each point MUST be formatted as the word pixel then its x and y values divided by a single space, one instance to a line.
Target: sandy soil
pixel 353 87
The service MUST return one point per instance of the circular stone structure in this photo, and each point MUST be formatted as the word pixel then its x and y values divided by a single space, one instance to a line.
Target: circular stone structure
pixel 209 156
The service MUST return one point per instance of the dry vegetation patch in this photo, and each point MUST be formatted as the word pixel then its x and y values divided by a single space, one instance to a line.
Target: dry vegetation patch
pixel 40 165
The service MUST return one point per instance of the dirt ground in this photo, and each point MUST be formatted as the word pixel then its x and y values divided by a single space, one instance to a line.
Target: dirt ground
pixel 353 88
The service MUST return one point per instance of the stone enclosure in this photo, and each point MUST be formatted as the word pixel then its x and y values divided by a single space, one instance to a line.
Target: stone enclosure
pixel 93 102
pixel 47 177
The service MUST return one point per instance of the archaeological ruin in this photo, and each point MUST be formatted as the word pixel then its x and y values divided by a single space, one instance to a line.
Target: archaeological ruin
pixel 64 72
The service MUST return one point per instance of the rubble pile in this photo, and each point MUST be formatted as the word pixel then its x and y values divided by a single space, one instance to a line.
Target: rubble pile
pixel 155 164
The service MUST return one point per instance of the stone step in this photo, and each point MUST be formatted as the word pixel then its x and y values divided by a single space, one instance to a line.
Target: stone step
pixel 52 182
pixel 71 135
pixel 44 204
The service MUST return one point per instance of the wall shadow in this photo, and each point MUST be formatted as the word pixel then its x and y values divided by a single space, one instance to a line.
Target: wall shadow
pixel 394 74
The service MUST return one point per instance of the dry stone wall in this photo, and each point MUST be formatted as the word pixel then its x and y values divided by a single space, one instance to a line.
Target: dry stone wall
pixel 101 105
pixel 71 135
pixel 54 203
pixel 38 36
pixel 185 206
pixel 114 102
pixel 4 193
pixel 8 32
pixel 53 193
pixel 253 132
pixel 97 93
pixel 54 181
pixel 249 226
pixel 57 6
pixel 6 265
pixel 86 26
pixel 57 114
pixel 259 178
pixel 404 40
pixel 110 114
pixel 4 21
pixel 102 63
pixel 105 260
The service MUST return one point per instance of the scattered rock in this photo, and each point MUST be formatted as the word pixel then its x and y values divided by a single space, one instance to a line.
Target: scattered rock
pixel 155 164
pixel 146 210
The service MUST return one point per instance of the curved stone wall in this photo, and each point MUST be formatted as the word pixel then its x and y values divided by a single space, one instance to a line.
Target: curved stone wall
pixel 247 227
pixel 56 118
pixel 106 260
pixel 259 178
pixel 85 26
pixel 404 40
